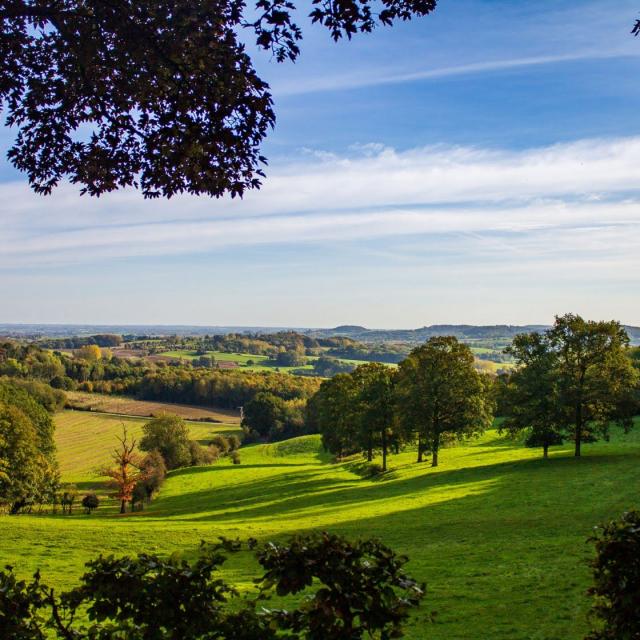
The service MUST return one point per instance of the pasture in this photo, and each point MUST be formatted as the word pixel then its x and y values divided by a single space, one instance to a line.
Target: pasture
pixel 498 533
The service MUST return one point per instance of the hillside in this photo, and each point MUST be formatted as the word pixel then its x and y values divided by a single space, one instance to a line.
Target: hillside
pixel 498 533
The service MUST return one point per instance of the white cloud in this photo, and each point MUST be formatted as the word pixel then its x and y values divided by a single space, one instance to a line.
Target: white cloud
pixel 572 191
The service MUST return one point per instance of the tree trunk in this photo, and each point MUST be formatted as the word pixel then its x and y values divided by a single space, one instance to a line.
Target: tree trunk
pixel 123 506
pixel 545 450
pixel 578 430
pixel 384 449
pixel 419 450
pixel 436 446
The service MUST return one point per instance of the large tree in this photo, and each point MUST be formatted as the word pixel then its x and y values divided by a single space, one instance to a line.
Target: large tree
pixel 529 394
pixel 333 411
pixel 375 407
pixel 577 381
pixel 161 94
pixel 441 396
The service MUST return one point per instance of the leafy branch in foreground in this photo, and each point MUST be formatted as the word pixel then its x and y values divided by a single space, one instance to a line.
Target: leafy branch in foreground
pixel 160 95
pixel 616 570
pixel 350 590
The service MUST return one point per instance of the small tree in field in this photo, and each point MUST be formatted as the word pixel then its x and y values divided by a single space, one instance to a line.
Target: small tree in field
pixel 127 470
pixel 90 503
pixel 170 436
pixel 69 495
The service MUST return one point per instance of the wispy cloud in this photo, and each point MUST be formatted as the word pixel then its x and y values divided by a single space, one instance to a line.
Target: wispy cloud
pixel 359 81
pixel 576 196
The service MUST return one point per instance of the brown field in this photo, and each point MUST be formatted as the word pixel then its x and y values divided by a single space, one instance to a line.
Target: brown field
pixel 130 407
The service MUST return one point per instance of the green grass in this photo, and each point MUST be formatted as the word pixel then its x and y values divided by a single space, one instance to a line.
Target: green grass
pixel 85 440
pixel 240 358
pixel 498 533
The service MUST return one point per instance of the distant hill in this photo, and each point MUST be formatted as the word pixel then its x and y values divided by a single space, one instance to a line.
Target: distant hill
pixel 467 332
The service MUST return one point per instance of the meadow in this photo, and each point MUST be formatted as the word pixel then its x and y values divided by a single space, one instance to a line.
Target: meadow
pixel 498 533
pixel 258 363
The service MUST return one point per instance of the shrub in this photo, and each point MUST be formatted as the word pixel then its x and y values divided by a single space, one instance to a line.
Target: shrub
pixel 346 591
pixel 616 571
pixel 235 457
pixel 374 470
pixel 170 436
pixel 221 442
pixel 234 443
pixel 90 502
pixel 154 471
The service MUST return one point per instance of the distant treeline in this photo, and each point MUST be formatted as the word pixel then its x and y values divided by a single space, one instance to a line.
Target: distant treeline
pixel 149 381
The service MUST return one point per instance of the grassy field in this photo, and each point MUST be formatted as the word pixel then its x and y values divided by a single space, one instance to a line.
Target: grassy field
pixel 498 533
pixel 85 440
pixel 241 359
pixel 132 407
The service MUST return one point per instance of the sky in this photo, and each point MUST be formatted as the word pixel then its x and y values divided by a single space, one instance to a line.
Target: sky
pixel 480 165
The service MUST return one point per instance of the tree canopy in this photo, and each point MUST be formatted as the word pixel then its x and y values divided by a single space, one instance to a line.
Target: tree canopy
pixel 160 95
pixel 441 396
pixel 573 381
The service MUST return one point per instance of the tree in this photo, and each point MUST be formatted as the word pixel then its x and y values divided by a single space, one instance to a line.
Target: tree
pixel 375 407
pixel 20 460
pixel 529 394
pixel 331 410
pixel 154 471
pixel 580 380
pixel 160 95
pixel 616 571
pixel 346 591
pixel 263 414
pixel 127 470
pixel 90 353
pixel 170 436
pixel 441 396
pixel 68 497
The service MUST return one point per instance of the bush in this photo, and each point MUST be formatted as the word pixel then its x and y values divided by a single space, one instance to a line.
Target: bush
pixel 154 471
pixel 345 591
pixel 221 442
pixel 616 571
pixel 234 443
pixel 374 470
pixel 235 457
pixel 170 436
pixel 90 502
pixel 63 382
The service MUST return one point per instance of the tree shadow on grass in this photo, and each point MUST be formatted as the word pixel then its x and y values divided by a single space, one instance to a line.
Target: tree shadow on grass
pixel 290 493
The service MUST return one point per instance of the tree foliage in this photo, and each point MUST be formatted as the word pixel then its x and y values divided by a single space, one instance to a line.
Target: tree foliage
pixel 616 571
pixel 352 590
pixel 170 436
pixel 161 95
pixel 127 470
pixel 28 467
pixel 573 381
pixel 441 396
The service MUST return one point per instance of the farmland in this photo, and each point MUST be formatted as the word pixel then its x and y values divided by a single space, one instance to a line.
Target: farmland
pixel 145 408
pixel 497 532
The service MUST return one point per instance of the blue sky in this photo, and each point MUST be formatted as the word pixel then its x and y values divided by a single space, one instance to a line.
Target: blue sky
pixel 481 165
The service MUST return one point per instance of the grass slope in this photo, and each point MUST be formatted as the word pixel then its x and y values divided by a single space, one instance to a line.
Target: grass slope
pixel 85 440
pixel 497 532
